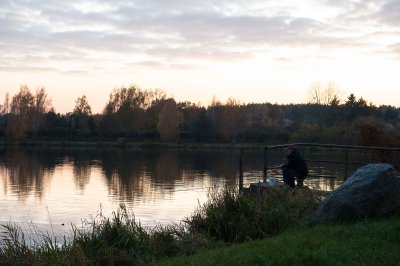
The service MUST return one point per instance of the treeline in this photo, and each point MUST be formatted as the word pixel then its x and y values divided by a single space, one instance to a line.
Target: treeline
pixel 135 114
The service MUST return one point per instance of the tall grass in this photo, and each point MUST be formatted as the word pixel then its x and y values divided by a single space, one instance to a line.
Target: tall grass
pixel 15 249
pixel 115 240
pixel 120 240
pixel 234 217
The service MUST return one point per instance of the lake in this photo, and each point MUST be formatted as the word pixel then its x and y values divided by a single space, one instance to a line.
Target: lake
pixel 48 189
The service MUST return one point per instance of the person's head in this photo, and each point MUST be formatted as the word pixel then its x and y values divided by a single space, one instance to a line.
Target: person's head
pixel 291 149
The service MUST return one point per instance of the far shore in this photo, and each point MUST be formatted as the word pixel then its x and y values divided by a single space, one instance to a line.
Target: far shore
pixel 126 144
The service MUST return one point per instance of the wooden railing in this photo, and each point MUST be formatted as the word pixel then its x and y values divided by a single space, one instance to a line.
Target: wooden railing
pixel 395 156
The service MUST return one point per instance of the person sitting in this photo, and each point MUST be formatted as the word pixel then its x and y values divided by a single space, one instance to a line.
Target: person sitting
pixel 296 167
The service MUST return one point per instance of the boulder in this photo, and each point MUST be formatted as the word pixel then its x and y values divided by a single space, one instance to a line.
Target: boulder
pixel 372 191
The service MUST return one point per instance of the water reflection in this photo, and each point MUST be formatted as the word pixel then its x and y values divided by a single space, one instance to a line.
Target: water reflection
pixel 145 175
pixel 66 185
pixel 127 175
pixel 81 172
pixel 62 186
pixel 26 173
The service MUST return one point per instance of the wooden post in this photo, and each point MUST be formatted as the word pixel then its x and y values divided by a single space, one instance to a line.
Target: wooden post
pixel 346 160
pixel 241 170
pixel 265 164
pixel 393 162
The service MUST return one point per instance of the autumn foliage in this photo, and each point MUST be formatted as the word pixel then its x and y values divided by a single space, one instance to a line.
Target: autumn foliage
pixel 132 113
pixel 169 121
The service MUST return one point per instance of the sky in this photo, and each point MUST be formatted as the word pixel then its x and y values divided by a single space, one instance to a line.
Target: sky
pixel 252 50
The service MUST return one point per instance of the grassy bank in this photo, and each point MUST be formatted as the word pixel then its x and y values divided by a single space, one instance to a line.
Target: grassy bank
pixel 361 243
pixel 230 229
pixel 228 217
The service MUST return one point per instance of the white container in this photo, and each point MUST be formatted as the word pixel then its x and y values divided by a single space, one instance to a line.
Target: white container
pixel 272 181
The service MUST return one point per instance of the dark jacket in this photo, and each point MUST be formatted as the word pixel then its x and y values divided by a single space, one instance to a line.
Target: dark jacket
pixel 297 163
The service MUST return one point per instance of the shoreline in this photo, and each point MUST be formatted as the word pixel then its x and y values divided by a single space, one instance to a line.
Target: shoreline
pixel 130 145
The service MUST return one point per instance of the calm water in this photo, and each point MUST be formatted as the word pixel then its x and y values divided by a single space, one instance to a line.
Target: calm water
pixel 41 189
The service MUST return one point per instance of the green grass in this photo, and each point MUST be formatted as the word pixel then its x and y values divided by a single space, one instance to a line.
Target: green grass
pixel 361 243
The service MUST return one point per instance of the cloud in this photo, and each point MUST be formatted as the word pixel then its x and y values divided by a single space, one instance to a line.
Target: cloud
pixel 163 66
pixel 390 12
pixel 380 12
pixel 27 69
pixel 395 48
pixel 180 30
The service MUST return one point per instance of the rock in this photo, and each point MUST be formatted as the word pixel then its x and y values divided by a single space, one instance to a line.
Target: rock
pixel 372 191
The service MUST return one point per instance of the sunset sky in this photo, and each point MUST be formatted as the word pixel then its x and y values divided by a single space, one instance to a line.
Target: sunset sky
pixel 253 50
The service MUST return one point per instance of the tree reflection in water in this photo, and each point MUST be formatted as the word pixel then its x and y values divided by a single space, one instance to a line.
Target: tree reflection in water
pixel 157 184
pixel 26 172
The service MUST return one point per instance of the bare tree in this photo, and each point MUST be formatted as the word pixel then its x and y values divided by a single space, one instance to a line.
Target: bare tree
pixel 314 93
pixel 5 108
pixel 329 95
pixel 215 102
